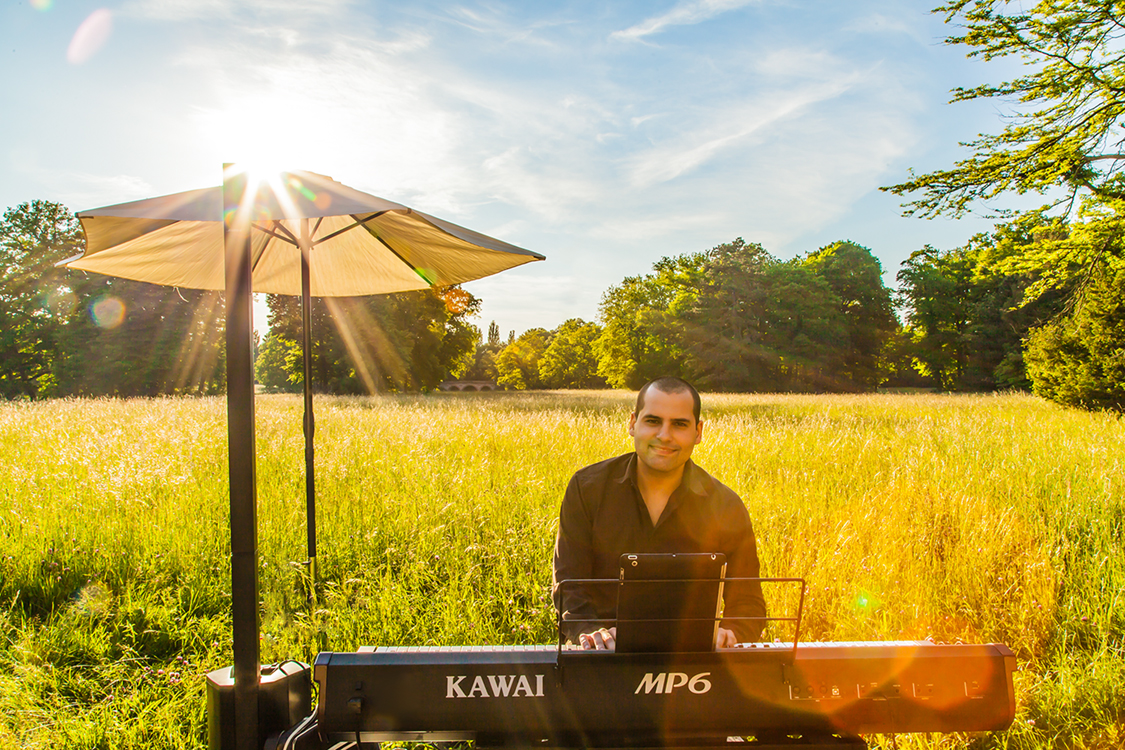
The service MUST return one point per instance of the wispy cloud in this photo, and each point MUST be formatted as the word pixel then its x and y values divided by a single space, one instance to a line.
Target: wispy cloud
pixel 689 152
pixel 225 10
pixel 683 14
pixel 82 190
pixel 880 23
pixel 495 23
pixel 642 226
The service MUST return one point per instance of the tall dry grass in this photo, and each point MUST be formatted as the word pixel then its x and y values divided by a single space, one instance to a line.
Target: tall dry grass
pixel 975 518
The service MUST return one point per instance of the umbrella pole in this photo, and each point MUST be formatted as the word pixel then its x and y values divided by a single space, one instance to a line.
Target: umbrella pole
pixel 240 447
pixel 309 424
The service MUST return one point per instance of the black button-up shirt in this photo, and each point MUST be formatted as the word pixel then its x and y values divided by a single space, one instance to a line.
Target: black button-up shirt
pixel 603 516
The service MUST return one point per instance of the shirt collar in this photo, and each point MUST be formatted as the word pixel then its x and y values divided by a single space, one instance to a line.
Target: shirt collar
pixel 691 483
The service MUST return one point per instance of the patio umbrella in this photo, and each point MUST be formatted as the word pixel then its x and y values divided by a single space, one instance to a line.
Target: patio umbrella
pixel 296 233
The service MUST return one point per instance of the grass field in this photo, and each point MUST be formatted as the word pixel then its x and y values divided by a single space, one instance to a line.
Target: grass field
pixel 975 518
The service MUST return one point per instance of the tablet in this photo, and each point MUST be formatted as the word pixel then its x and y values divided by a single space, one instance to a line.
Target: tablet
pixel 669 602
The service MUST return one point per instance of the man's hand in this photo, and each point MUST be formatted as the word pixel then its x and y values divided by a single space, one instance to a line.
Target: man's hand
pixel 602 640
pixel 725 638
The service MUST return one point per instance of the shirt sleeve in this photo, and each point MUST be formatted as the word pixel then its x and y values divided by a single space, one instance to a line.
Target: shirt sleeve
pixel 743 599
pixel 574 560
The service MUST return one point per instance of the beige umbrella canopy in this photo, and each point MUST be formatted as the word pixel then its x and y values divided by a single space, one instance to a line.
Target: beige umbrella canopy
pixel 359 244
pixel 298 233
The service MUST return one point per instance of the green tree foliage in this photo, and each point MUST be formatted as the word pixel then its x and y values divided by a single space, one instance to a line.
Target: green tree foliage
pixel 641 321
pixel 970 309
pixel 1066 135
pixel 35 297
pixel 483 366
pixel 1080 360
pixel 517 364
pixel 735 318
pixel 934 290
pixel 760 324
pixel 276 358
pixel 1068 130
pixel 856 278
pixel 390 342
pixel 569 360
pixel 70 333
pixel 127 338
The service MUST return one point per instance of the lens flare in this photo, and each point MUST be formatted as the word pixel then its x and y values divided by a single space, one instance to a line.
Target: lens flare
pixel 91 35
pixel 42 4
pixel 60 302
pixel 299 186
pixel 865 600
pixel 321 200
pixel 107 312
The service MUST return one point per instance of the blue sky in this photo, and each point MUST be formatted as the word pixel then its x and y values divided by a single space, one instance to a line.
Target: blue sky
pixel 603 135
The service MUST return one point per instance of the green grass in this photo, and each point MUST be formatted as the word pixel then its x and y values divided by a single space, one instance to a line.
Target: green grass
pixel 974 518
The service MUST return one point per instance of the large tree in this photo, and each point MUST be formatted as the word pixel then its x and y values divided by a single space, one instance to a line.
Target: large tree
pixel 968 310
pixel 1080 360
pixel 634 345
pixel 517 365
pixel 128 338
pixel 865 304
pixel 735 318
pixel 68 332
pixel 934 290
pixel 759 324
pixel 1064 139
pixel 35 296
pixel 1066 131
pixel 569 361
pixel 407 341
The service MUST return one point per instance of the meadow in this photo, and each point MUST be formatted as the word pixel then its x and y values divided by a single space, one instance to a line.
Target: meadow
pixel 971 518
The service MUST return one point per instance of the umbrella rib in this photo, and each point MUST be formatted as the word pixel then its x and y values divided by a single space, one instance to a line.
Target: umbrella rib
pixel 410 265
pixel 291 240
pixel 358 223
pixel 262 253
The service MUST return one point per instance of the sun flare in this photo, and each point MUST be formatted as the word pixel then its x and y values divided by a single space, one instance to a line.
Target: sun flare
pixel 260 146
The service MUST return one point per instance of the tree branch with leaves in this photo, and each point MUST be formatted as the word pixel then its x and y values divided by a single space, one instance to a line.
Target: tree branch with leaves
pixel 1070 133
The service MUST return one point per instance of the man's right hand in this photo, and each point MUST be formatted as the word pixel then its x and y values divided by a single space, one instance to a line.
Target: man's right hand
pixel 600 640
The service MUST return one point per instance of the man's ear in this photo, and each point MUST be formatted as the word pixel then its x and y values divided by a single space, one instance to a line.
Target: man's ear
pixel 699 432
pixel 632 421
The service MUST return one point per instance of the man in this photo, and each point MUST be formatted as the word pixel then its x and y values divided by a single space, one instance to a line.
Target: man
pixel 652 500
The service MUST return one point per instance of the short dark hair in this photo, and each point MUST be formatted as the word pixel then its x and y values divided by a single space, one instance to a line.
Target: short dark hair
pixel 669 384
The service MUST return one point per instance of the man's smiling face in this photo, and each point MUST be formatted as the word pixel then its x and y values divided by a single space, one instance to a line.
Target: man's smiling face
pixel 665 431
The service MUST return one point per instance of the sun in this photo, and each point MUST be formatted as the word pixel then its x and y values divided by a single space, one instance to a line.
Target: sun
pixel 262 146
pixel 262 167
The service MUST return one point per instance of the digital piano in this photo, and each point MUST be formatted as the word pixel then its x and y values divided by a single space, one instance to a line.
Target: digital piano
pixel 763 695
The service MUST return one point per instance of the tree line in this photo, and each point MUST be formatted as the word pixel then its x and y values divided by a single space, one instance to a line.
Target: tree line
pixel 409 341
pixel 72 333
pixel 1035 304
pixel 732 318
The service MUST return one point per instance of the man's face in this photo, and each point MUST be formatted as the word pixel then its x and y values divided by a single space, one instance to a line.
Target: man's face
pixel 665 430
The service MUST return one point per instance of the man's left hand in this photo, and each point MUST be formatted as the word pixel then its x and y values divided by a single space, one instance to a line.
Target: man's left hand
pixel 725 639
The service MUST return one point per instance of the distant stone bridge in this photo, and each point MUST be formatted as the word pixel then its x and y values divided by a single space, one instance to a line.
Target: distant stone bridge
pixel 468 385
